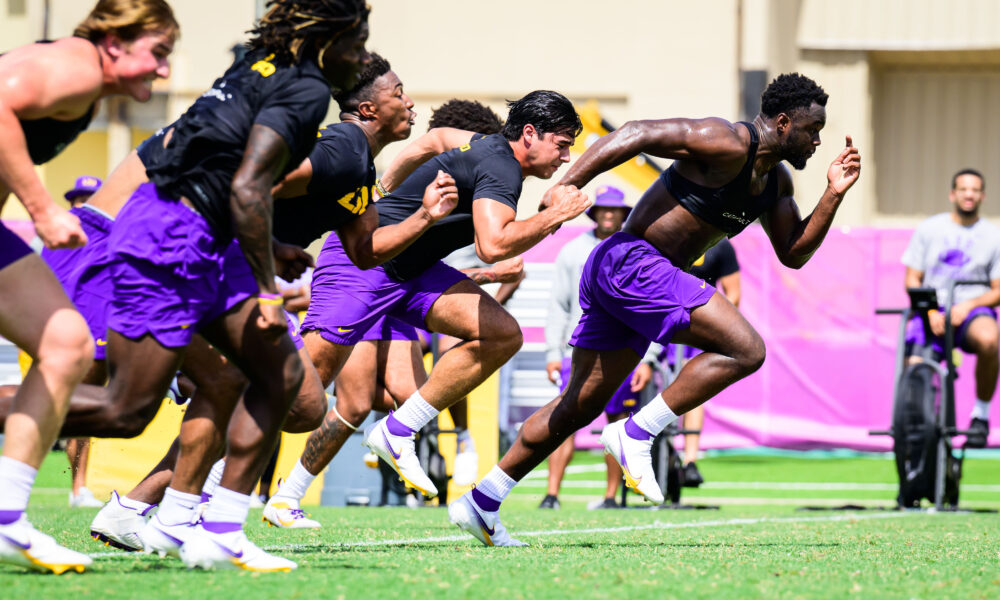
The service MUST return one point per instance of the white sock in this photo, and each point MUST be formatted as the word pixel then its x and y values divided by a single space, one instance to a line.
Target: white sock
pixel 227 506
pixel 496 484
pixel 297 483
pixel 415 412
pixel 981 410
pixel 654 417
pixel 177 507
pixel 214 477
pixel 137 505
pixel 16 479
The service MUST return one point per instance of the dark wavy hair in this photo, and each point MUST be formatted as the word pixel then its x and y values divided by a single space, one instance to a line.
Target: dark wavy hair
pixel 549 112
pixel 348 100
pixel 954 178
pixel 790 91
pixel 466 114
pixel 290 28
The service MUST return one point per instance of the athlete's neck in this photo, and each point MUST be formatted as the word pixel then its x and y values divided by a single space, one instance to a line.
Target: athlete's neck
pixel 521 154
pixel 965 219
pixel 602 235
pixel 370 129
pixel 768 154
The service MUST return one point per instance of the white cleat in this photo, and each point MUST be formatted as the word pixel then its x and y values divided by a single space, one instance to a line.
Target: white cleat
pixel 484 526
pixel 163 539
pixel 285 513
pixel 84 499
pixel 633 457
pixel 399 453
pixel 23 545
pixel 118 525
pixel 466 469
pixel 207 550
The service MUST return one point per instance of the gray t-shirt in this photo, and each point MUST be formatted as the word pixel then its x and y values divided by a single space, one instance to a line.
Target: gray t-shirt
pixel 945 251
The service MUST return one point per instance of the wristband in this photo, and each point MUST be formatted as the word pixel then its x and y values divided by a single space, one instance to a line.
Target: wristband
pixel 380 189
pixel 267 299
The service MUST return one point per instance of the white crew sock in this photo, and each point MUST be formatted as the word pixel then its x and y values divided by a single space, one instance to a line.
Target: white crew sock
pixel 654 417
pixel 137 505
pixel 177 507
pixel 227 506
pixel 214 477
pixel 981 410
pixel 297 484
pixel 16 479
pixel 415 412
pixel 496 484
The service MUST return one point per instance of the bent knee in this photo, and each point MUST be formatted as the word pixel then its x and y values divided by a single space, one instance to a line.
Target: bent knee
pixel 504 336
pixel 306 414
pixel 752 357
pixel 66 349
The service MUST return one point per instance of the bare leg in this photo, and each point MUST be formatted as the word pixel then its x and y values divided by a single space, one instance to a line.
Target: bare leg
pixel 491 337
pixel 78 449
pixel 982 336
pixel 39 319
pixel 558 461
pixel 694 419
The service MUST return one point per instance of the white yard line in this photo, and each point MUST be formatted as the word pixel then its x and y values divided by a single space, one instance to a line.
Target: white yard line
pixel 850 517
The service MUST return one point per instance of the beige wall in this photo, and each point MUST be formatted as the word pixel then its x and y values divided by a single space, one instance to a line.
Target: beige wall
pixel 639 58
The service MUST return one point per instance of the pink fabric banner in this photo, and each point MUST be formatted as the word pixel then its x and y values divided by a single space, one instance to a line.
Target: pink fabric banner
pixel 828 376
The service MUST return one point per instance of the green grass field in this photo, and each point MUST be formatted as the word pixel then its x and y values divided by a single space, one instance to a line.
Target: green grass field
pixel 756 544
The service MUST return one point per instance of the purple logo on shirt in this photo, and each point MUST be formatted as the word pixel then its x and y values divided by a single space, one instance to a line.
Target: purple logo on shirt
pixel 954 258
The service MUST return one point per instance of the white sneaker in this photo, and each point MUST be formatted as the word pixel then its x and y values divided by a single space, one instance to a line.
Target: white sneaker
pixel 466 468
pixel 163 539
pixel 118 525
pixel 255 501
pixel 633 457
pixel 23 545
pixel 285 513
pixel 207 550
pixel 484 526
pixel 85 499
pixel 399 453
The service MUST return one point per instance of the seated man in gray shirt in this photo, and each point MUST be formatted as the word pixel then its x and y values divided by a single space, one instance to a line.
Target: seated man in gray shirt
pixel 960 245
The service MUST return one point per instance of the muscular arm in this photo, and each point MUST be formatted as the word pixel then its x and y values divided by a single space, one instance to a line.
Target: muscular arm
pixel 251 202
pixel 914 278
pixel 703 139
pixel 296 183
pixel 434 142
pixel 500 236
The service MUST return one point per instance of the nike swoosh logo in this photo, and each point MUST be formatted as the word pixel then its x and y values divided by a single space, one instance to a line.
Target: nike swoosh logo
pixel 102 342
pixel 489 531
pixel 22 546
pixel 702 285
pixel 228 551
pixel 342 330
pixel 389 446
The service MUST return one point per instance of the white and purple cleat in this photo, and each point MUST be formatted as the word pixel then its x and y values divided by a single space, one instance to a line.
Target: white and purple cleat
pixel 477 514
pixel 630 446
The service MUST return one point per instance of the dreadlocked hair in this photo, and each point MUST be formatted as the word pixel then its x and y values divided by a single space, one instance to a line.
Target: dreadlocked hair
pixel 466 114
pixel 289 28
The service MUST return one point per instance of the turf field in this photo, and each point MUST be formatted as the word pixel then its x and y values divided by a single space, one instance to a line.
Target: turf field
pixel 757 543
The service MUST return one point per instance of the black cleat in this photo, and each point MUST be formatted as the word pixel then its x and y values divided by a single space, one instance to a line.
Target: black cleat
pixel 549 501
pixel 692 477
pixel 606 503
pixel 979 430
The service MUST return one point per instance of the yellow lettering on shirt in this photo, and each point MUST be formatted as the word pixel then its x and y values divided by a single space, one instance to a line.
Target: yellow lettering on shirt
pixel 357 201
pixel 264 67
pixel 465 147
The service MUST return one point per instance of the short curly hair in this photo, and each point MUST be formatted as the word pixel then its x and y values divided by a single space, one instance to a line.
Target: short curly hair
pixel 466 114
pixel 790 91
pixel 349 100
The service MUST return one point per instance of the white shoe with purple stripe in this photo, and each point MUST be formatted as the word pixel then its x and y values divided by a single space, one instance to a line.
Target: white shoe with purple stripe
pixel 484 525
pixel 163 539
pixel 393 442
pixel 118 525
pixel 23 545
pixel 225 546
pixel 630 446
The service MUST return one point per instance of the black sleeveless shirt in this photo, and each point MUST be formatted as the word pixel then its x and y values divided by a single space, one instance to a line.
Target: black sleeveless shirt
pixel 47 137
pixel 730 207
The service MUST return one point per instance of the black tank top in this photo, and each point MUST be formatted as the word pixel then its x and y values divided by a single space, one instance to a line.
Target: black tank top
pixel 48 137
pixel 730 207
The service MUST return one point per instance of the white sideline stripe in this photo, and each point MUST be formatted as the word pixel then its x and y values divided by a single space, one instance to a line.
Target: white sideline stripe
pixel 651 526
pixel 772 485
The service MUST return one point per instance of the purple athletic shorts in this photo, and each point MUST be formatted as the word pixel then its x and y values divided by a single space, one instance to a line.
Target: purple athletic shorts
pixel 390 328
pixel 623 402
pixel 347 302
pixel 12 247
pixel 169 270
pixel 915 331
pixel 84 274
pixel 631 294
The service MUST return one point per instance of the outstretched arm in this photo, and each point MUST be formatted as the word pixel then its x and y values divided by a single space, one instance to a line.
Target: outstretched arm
pixel 436 141
pixel 368 245
pixel 795 239
pixel 703 139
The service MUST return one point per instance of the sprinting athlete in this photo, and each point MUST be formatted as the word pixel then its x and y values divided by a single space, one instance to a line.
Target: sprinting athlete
pixel 635 287
pixel 385 367
pixel 48 95
pixel 417 288
pixel 172 274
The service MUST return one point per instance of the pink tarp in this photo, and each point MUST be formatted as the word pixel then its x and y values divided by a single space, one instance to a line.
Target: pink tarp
pixel 828 376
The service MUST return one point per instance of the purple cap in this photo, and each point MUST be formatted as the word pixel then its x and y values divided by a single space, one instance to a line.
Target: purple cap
pixel 608 196
pixel 84 185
